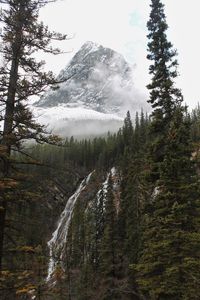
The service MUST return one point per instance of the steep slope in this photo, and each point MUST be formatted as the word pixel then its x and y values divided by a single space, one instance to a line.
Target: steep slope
pixel 59 237
pixel 95 97
pixel 99 79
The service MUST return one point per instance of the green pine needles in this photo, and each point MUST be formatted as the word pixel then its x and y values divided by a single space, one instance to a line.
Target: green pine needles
pixel 169 262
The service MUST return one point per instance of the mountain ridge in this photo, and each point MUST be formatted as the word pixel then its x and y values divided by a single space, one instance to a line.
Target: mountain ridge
pixel 99 87
pixel 99 79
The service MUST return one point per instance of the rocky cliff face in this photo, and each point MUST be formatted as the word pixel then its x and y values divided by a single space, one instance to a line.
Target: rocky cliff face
pixel 98 87
pixel 99 78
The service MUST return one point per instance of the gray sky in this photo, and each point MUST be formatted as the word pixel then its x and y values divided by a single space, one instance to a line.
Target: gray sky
pixel 121 25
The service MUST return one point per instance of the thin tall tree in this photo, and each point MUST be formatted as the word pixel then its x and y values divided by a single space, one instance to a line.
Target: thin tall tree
pixel 168 265
pixel 21 76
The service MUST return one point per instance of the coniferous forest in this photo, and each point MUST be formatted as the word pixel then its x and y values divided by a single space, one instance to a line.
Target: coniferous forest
pixel 111 217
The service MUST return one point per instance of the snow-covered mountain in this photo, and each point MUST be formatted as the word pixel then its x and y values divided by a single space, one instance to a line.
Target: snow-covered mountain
pixel 98 89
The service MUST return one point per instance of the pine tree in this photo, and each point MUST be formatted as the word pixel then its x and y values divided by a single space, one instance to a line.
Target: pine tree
pixel 164 96
pixel 21 77
pixel 128 131
pixel 109 249
pixel 168 266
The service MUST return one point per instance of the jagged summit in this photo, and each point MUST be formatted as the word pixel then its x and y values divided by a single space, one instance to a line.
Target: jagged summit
pixel 89 46
pixel 89 55
pixel 95 98
pixel 99 79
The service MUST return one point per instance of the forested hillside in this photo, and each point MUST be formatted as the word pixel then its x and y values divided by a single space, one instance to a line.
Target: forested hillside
pixel 111 217
pixel 104 238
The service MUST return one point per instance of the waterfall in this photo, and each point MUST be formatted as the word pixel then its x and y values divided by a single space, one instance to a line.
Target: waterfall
pixel 59 237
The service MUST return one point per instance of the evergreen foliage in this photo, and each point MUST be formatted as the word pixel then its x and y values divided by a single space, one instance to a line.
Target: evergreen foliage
pixel 194 117
pixel 164 96
pixel 168 253
pixel 135 228
pixel 22 76
pixel 134 211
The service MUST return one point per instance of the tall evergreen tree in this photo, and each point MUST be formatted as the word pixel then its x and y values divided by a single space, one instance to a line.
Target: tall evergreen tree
pixel 164 96
pixel 21 76
pixel 128 131
pixel 168 266
pixel 109 250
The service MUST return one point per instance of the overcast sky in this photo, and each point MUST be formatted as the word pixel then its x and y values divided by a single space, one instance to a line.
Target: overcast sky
pixel 121 25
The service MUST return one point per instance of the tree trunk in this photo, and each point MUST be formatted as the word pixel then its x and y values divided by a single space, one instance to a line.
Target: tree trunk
pixel 10 102
pixel 8 123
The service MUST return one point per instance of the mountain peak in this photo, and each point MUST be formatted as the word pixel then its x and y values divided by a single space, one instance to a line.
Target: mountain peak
pixel 100 79
pixel 95 98
pixel 91 46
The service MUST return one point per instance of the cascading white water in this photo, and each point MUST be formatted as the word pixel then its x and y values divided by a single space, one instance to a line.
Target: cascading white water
pixel 103 189
pixel 59 237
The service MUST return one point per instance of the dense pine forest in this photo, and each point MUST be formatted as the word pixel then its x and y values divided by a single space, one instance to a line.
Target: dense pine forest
pixel 111 217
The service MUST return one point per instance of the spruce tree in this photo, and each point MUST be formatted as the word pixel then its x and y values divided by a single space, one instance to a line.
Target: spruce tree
pixel 109 248
pixel 128 131
pixel 168 266
pixel 21 76
pixel 164 96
